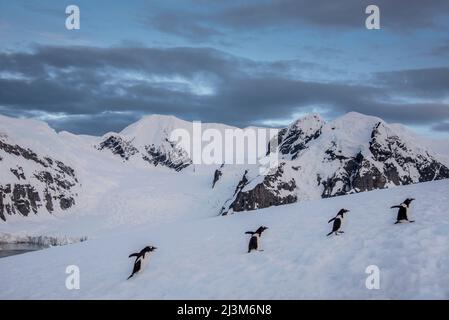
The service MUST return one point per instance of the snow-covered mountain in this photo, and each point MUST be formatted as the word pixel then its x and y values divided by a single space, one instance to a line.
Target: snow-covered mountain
pixel 149 141
pixel 351 154
pixel 32 177
pixel 45 172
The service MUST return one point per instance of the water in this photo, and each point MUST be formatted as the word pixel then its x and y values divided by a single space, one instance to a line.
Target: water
pixel 11 249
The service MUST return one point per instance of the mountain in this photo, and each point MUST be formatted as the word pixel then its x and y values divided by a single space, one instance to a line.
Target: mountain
pixel 32 181
pixel 47 172
pixel 354 153
pixel 148 140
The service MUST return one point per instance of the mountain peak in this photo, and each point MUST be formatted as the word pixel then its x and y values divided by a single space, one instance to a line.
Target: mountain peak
pixel 360 117
pixel 308 118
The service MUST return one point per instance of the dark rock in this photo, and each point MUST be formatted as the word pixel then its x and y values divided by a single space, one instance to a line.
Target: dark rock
pixel 56 179
pixel 19 151
pixel 217 176
pixel 25 199
pixel 18 173
pixel 294 139
pixel 2 207
pixel 48 201
pixel 118 146
pixel 265 194
pixel 66 202
pixel 174 158
pixel 242 183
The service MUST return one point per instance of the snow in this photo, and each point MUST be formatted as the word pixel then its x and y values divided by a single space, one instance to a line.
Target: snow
pixel 205 258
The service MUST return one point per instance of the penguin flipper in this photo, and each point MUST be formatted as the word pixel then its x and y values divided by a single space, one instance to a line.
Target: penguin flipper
pixel 331 220
pixel 395 207
pixel 133 255
pixel 250 232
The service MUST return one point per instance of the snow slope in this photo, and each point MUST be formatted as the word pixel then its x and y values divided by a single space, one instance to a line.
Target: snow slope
pixel 205 257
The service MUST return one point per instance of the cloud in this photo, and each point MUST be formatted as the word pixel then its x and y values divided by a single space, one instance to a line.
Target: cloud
pixel 440 50
pixel 443 127
pixel 432 82
pixel 247 16
pixel 94 90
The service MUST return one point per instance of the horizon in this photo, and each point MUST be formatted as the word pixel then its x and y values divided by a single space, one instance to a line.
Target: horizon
pixel 436 148
pixel 242 63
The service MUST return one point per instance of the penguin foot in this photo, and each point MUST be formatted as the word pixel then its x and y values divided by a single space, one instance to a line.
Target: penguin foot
pixel 411 221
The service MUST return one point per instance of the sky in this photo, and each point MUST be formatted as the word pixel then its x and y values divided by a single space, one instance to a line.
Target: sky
pixel 237 62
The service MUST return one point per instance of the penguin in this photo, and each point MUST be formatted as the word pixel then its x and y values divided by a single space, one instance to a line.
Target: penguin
pixel 254 240
pixel 403 211
pixel 141 259
pixel 338 221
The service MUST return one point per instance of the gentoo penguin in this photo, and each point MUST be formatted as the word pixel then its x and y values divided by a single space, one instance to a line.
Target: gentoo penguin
pixel 338 221
pixel 141 259
pixel 254 241
pixel 404 208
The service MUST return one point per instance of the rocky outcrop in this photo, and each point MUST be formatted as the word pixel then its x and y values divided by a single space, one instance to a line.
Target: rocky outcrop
pixel 295 138
pixel 389 162
pixel 168 155
pixel 217 175
pixel 271 191
pixel 401 163
pixel 118 146
pixel 31 188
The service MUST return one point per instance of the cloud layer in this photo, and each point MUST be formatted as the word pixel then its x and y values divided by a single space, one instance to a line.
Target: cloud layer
pixel 94 90
pixel 245 16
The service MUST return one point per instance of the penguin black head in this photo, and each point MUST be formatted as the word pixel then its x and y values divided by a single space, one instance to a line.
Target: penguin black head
pixel 261 229
pixel 342 211
pixel 408 201
pixel 149 248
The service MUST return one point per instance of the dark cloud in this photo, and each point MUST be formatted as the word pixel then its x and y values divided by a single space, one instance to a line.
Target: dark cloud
pixel 177 24
pixel 440 51
pixel 244 16
pixel 424 83
pixel 443 127
pixel 94 90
